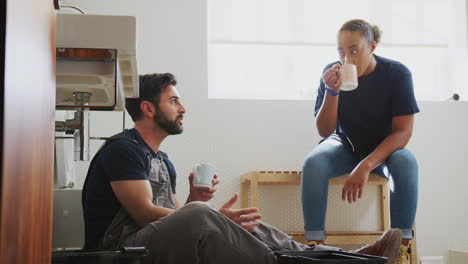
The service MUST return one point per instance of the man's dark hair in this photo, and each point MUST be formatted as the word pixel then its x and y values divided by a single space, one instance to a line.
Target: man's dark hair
pixel 151 88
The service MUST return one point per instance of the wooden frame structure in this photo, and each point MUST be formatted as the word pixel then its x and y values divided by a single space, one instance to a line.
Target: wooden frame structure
pixel 253 179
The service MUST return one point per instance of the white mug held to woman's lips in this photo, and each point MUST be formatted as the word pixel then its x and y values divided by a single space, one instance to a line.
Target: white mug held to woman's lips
pixel 349 78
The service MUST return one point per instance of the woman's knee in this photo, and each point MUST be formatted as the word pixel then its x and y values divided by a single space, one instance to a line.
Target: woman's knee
pixel 315 174
pixel 322 159
pixel 316 162
pixel 402 158
pixel 403 168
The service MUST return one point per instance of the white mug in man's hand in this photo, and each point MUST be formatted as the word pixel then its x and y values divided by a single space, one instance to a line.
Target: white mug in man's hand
pixel 203 175
pixel 349 78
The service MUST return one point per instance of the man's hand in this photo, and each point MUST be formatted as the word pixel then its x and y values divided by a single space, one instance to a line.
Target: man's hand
pixel 246 217
pixel 354 185
pixel 201 194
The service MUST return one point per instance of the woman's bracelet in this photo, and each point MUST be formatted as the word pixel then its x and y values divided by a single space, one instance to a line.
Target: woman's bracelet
pixel 331 92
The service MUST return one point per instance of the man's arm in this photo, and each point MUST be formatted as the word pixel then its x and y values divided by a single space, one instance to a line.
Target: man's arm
pixel 327 117
pixel 402 129
pixel 136 197
pixel 176 201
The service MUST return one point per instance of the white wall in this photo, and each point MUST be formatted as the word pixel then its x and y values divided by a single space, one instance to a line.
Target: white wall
pixel 239 136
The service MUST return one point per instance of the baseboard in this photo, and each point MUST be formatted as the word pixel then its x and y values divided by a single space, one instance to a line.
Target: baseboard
pixel 432 260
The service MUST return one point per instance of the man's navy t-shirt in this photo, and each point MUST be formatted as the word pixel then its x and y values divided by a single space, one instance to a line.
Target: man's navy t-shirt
pixel 365 114
pixel 118 160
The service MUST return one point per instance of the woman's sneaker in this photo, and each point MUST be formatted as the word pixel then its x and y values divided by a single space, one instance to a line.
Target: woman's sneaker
pixel 403 255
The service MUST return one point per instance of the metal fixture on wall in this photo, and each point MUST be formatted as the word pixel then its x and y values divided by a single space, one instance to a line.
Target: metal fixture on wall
pixel 454 97
pixel 78 126
pixel 59 6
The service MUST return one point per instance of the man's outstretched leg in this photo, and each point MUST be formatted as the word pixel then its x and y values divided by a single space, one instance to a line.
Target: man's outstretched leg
pixel 386 246
pixel 278 240
pixel 198 233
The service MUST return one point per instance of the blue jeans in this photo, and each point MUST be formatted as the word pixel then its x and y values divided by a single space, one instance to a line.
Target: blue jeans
pixel 331 159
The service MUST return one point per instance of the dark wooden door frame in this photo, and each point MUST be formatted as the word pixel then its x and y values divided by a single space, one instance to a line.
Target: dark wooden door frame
pixel 27 130
pixel 2 78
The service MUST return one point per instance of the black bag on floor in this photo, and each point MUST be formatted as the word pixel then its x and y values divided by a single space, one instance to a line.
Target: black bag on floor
pixel 326 257
pixel 126 255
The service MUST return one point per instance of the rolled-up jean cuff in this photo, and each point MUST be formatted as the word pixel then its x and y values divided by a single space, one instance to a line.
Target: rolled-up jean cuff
pixel 314 235
pixel 407 233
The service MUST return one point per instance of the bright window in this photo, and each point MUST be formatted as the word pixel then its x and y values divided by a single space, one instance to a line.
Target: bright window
pixel 277 49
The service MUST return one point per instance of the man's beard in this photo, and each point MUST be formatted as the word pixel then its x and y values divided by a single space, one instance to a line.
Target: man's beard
pixel 172 127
